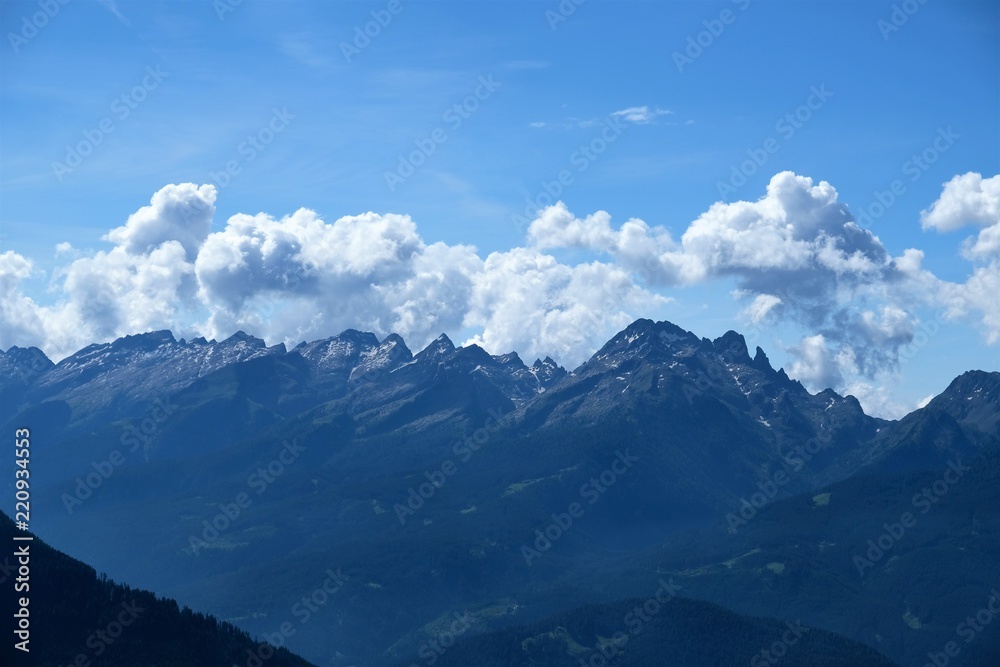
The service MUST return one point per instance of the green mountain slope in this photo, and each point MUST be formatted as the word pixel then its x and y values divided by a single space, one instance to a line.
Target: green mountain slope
pixel 646 633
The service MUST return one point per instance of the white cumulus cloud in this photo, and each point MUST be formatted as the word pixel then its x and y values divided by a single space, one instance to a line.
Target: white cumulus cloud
pixel 970 199
pixel 180 213
pixel 967 199
pixel 795 253
pixel 795 256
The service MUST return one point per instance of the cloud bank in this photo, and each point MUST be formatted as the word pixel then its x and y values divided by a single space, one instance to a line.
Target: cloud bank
pixel 300 278
pixel 796 255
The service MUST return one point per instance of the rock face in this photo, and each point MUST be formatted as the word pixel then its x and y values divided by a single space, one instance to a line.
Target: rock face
pixel 651 372
pixel 114 379
pixel 437 466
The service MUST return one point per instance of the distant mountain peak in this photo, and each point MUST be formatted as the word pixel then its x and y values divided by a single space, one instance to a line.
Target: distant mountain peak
pixel 972 399
pixel 383 357
pixel 477 354
pixel 547 372
pixel 163 335
pixel 665 329
pixel 395 340
pixel 19 368
pixel 733 347
pixel 440 345
pixel 547 362
pixel 365 337
pixel 27 357
pixel 974 381
pixel 761 362
pixel 508 359
pixel 145 341
pixel 645 333
pixel 243 337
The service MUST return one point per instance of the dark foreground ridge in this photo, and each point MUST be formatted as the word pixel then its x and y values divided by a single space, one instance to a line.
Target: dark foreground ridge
pixel 79 618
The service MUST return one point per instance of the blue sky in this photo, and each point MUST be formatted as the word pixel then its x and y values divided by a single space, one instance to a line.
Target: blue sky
pixel 224 69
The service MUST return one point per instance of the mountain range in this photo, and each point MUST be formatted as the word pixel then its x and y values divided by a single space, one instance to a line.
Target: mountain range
pixel 530 501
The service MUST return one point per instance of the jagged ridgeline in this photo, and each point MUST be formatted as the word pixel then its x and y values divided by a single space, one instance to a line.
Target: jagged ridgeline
pixel 233 477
